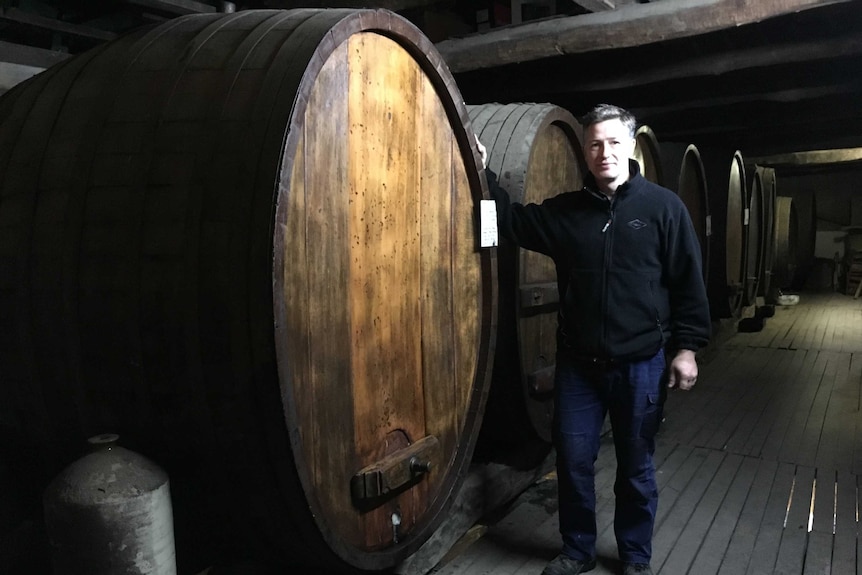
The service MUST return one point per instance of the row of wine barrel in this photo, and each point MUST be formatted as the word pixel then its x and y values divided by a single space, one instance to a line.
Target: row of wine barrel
pixel 248 244
pixel 748 233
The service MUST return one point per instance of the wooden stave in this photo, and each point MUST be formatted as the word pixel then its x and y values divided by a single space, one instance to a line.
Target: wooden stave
pixel 326 29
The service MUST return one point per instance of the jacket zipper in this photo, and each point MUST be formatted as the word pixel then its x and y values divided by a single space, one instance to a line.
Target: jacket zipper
pixel 608 249
pixel 654 297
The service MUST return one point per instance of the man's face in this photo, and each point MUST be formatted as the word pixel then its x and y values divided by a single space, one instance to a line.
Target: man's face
pixel 608 146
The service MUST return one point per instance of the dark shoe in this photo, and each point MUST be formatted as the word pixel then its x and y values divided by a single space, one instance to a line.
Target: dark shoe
pixel 637 569
pixel 565 565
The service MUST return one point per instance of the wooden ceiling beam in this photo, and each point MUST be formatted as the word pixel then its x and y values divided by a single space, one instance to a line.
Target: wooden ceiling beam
pixel 635 25
pixel 602 5
pixel 393 5
pixel 13 74
pixel 765 129
pixel 829 115
pixel 30 55
pixel 657 74
pixel 35 20
pixel 851 88
pixel 176 7
pixel 710 65
pixel 596 5
pixel 841 156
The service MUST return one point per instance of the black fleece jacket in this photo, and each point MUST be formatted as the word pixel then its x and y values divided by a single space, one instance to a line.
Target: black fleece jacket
pixel 628 268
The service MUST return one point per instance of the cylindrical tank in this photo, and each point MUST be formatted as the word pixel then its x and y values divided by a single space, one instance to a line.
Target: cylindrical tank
pixel 684 174
pixel 255 232
pixel 767 176
pixel 786 239
pixel 110 512
pixel 725 173
pixel 536 152
pixel 648 155
pixel 805 206
pixel 754 251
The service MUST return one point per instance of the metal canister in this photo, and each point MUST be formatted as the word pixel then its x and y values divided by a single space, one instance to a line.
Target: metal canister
pixel 110 513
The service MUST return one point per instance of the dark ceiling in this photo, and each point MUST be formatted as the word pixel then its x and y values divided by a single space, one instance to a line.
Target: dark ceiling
pixel 784 84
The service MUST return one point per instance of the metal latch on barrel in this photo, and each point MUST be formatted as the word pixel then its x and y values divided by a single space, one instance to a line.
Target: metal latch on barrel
pixel 537 295
pixel 541 381
pixel 395 470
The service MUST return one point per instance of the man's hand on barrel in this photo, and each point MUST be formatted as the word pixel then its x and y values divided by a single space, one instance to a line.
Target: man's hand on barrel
pixel 482 151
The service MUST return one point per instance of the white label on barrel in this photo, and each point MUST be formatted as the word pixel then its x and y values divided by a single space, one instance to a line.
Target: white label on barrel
pixel 708 225
pixel 746 217
pixel 488 223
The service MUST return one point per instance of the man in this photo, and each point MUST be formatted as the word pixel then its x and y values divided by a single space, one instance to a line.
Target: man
pixel 631 297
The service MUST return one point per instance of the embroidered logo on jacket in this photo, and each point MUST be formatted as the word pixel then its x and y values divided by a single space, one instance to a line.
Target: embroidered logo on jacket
pixel 637 224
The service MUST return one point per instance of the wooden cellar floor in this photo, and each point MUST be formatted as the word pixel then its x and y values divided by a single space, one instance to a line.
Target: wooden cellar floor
pixel 758 466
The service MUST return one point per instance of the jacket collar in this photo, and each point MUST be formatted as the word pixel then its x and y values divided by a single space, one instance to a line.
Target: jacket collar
pixel 634 175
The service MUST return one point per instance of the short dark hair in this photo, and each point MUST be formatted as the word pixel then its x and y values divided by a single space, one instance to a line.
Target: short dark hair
pixel 604 112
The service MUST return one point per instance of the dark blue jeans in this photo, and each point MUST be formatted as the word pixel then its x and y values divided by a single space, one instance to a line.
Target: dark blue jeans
pixel 633 394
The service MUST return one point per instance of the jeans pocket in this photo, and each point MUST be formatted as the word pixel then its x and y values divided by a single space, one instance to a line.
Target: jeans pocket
pixel 652 416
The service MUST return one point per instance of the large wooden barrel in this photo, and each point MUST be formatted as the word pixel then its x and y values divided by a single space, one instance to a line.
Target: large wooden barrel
pixel 648 155
pixel 725 173
pixel 247 244
pixel 767 177
pixel 754 251
pixel 536 152
pixel 786 236
pixel 684 174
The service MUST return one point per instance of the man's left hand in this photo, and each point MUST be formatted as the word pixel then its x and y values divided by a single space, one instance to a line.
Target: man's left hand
pixel 683 370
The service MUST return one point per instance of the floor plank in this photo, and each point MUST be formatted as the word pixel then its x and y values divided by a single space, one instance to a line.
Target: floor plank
pixel 716 541
pixel 844 553
pixel 791 552
pixel 691 538
pixel 768 540
pixel 742 540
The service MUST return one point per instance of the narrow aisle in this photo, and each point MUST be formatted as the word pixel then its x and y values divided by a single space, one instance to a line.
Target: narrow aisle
pixel 758 467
